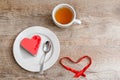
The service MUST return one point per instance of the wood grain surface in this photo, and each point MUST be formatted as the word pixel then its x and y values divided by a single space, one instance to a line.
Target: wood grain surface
pixel 98 37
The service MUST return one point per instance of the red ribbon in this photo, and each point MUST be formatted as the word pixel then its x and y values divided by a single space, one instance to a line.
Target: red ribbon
pixel 76 72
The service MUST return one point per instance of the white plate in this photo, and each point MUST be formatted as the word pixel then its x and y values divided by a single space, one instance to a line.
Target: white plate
pixel 32 63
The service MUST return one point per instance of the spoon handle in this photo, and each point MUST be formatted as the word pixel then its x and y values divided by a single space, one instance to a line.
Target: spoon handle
pixel 42 64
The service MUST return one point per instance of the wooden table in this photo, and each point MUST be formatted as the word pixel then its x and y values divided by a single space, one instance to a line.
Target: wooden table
pixel 97 37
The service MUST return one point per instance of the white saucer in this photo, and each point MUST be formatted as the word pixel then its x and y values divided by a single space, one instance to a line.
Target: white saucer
pixel 32 63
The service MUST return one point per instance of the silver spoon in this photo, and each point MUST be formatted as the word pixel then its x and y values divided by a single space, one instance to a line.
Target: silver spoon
pixel 46 49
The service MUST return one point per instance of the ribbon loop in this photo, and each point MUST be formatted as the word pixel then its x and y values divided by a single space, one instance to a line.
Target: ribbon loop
pixel 77 73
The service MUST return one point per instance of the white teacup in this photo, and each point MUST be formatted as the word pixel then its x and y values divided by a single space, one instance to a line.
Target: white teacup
pixel 73 20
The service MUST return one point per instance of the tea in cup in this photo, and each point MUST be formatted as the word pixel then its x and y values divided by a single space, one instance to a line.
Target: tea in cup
pixel 64 15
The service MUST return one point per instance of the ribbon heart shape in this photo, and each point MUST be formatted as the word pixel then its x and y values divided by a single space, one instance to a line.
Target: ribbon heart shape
pixel 76 72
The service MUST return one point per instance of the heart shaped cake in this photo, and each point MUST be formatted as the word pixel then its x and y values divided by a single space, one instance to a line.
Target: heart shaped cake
pixel 31 45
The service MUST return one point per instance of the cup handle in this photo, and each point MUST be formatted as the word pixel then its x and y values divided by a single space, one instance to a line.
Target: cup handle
pixel 77 21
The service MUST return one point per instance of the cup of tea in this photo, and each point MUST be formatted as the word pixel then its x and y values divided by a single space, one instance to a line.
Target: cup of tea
pixel 64 15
